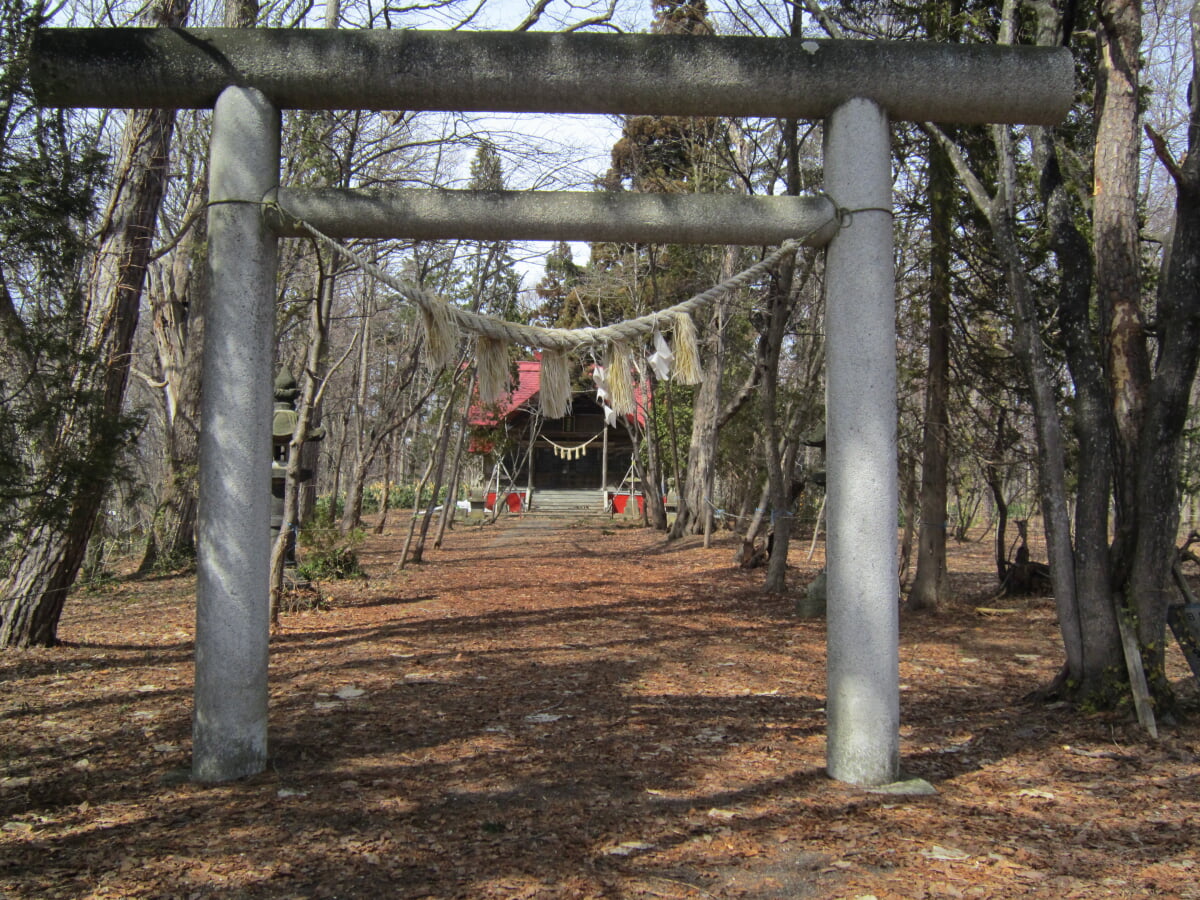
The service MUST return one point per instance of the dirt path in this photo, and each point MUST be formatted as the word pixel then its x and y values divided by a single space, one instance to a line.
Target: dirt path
pixel 551 712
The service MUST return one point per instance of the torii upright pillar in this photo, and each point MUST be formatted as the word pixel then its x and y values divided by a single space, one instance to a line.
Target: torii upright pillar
pixel 862 644
pixel 229 723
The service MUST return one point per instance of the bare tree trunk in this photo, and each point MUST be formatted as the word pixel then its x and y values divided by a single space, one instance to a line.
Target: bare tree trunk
pixel 355 488
pixel 754 528
pixel 34 591
pixel 364 449
pixel 777 559
pixel 339 457
pixel 1118 254
pixel 177 301
pixel 450 507
pixel 695 511
pixel 1093 429
pixel 419 492
pixel 309 398
pixel 1027 339
pixel 656 511
pixel 930 584
pixel 695 494
pixel 385 501
pixel 389 419
pixel 1052 470
pixel 1161 439
pixel 779 305
pixel 437 466
pixel 405 466
pixel 779 310
pixel 443 451
pixel 909 496
pixel 996 486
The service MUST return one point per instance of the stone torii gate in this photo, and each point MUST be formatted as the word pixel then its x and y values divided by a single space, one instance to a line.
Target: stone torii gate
pixel 856 87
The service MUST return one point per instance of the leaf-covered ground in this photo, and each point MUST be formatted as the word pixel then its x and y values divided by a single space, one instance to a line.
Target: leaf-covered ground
pixel 543 711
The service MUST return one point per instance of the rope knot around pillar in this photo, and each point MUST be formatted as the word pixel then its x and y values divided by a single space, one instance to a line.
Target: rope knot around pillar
pixel 845 217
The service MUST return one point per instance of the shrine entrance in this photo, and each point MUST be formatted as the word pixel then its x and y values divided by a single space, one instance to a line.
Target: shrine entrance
pixel 856 87
pixel 579 452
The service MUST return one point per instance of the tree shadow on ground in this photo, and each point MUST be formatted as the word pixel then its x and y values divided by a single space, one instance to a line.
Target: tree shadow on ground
pixel 553 738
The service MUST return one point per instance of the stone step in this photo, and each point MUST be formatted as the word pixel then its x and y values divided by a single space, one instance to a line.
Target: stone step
pixel 563 507
pixel 567 514
pixel 567 503
pixel 567 499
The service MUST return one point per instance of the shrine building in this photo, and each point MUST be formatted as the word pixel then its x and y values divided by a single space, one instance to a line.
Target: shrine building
pixel 577 462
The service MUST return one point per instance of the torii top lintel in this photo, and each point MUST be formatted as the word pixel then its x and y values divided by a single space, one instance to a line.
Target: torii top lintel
pixel 552 73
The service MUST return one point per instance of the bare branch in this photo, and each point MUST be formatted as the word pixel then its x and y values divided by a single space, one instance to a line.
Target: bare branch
pixel 320 395
pixel 823 18
pixel 467 21
pixel 1163 152
pixel 603 19
pixel 738 400
pixel 979 194
pixel 150 379
pixel 534 15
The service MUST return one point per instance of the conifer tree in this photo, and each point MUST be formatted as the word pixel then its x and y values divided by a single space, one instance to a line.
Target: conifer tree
pixel 45 551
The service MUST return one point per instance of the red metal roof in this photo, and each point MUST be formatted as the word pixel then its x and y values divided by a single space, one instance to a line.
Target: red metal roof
pixel 529 383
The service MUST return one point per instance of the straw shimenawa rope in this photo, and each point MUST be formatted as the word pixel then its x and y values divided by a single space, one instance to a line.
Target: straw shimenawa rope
pixel 442 320
pixel 559 338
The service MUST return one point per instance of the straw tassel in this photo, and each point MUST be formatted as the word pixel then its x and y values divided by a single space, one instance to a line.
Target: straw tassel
pixel 687 353
pixel 491 368
pixel 620 378
pixel 441 333
pixel 555 388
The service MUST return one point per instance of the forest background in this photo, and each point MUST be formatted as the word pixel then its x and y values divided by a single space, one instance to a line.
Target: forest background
pixel 1047 309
